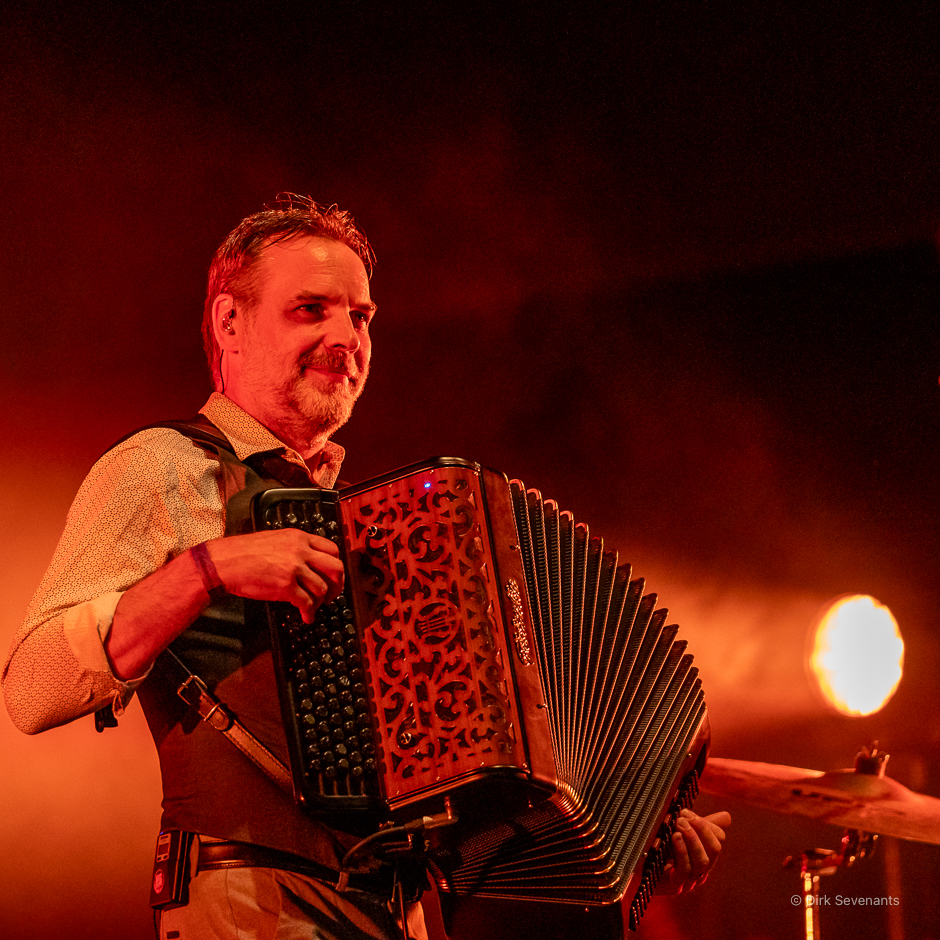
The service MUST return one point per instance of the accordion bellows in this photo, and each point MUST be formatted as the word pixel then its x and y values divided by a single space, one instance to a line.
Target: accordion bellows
pixel 489 652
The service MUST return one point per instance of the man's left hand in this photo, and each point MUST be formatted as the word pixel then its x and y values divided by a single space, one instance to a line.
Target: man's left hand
pixel 696 845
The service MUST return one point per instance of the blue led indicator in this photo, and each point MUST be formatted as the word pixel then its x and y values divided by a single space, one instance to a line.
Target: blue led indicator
pixel 427 486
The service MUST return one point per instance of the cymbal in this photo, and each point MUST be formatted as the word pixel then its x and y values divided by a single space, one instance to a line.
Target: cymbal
pixel 840 797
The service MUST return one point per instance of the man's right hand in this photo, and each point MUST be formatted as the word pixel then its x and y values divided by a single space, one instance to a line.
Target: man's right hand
pixel 283 565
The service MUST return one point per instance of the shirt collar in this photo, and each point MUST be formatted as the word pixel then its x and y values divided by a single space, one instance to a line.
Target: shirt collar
pixel 248 436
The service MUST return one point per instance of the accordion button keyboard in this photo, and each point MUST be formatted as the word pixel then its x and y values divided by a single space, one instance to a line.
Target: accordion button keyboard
pixel 323 662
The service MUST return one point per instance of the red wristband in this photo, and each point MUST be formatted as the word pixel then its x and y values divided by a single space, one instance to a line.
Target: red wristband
pixel 210 577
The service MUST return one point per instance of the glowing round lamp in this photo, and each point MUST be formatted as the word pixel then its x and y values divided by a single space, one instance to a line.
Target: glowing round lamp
pixel 858 654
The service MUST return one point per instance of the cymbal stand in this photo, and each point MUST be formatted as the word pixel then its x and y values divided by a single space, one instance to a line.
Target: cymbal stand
pixel 814 863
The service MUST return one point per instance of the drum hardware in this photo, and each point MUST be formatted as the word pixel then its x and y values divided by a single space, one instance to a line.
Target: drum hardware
pixel 862 798
pixel 815 863
pixel 856 798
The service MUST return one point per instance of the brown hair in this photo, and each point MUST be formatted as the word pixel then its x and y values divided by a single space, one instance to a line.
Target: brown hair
pixel 232 268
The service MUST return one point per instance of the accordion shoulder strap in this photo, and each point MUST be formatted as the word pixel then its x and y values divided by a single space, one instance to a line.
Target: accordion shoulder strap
pixel 190 688
pixel 194 692
pixel 198 428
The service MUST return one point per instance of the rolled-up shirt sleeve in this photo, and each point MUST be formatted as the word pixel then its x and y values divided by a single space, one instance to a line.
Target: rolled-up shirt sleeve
pixel 146 501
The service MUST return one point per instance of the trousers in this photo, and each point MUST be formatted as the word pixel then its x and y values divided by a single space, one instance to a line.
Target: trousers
pixel 270 904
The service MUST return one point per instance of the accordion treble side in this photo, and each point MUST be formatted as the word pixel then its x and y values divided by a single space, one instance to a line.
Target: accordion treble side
pixel 489 652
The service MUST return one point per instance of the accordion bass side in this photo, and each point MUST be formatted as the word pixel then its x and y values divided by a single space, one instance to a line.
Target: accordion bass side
pixel 489 652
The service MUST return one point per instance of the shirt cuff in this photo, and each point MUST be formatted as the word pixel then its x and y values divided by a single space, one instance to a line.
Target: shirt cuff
pixel 86 627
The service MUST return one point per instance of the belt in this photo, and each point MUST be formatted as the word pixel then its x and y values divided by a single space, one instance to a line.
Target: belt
pixel 217 855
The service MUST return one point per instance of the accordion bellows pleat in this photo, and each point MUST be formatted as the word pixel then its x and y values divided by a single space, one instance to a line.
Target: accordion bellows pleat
pixel 509 666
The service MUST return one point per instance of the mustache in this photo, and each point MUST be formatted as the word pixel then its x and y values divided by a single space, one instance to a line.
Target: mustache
pixel 335 362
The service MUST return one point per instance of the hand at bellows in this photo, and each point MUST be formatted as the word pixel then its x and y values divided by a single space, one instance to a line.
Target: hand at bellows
pixel 280 565
pixel 696 845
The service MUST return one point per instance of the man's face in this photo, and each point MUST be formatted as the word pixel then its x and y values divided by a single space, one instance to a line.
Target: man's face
pixel 305 348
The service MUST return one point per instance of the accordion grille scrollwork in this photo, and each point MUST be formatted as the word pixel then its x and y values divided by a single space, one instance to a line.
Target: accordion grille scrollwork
pixel 433 629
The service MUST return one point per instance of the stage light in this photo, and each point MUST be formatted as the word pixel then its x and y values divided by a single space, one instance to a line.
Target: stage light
pixel 858 654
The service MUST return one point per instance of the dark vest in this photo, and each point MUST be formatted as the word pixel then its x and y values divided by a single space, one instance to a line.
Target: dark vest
pixel 209 786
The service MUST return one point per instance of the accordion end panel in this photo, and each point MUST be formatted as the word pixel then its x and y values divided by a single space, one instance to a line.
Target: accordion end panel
pixel 418 684
pixel 457 704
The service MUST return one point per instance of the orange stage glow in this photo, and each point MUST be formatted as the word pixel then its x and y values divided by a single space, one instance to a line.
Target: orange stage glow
pixel 858 654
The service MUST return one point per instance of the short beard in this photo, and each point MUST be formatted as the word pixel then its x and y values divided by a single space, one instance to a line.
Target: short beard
pixel 326 411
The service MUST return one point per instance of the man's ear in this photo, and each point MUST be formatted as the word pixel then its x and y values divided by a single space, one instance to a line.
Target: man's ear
pixel 225 323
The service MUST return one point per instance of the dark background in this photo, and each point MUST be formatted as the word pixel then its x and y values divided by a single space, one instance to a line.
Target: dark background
pixel 676 266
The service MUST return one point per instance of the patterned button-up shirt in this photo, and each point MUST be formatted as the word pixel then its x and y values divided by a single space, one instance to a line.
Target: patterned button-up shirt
pixel 149 499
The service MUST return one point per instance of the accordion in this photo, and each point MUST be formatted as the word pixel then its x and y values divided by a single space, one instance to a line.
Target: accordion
pixel 489 654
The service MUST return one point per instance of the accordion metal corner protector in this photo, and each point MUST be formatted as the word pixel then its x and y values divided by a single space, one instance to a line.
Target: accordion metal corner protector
pixel 488 651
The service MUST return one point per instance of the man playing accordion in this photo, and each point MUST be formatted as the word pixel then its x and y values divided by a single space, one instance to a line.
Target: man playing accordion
pixel 156 550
